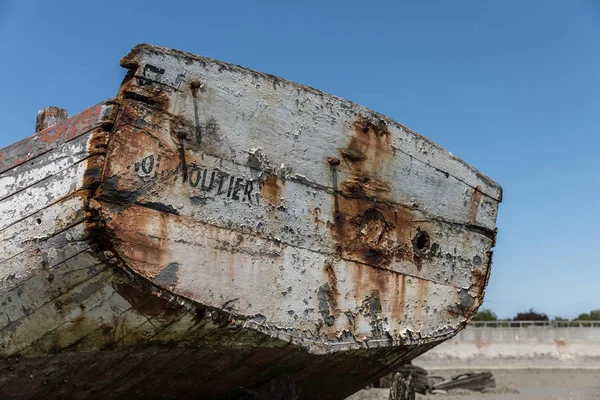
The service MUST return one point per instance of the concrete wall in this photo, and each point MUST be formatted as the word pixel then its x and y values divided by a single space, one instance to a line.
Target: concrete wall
pixel 530 347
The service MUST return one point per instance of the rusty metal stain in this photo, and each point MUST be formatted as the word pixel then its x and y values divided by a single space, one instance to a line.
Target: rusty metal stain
pixel 369 148
pixel 271 190
pixel 147 252
pixel 365 229
pixel 373 233
pixel 474 204
pixel 151 263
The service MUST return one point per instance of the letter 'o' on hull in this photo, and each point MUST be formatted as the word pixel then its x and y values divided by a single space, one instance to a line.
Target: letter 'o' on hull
pixel 214 231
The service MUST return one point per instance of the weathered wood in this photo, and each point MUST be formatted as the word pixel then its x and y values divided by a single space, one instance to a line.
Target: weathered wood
pixel 302 286
pixel 40 226
pixel 50 116
pixel 26 331
pixel 257 105
pixel 263 150
pixel 44 166
pixel 16 154
pixel 420 380
pixel 56 187
pixel 310 222
pixel 46 286
pixel 300 215
pixel 215 228
pixel 16 270
pixel 279 388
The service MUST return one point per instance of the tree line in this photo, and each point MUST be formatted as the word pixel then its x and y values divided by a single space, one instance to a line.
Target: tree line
pixel 486 314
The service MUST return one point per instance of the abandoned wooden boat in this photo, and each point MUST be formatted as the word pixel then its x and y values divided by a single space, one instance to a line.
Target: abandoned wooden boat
pixel 213 229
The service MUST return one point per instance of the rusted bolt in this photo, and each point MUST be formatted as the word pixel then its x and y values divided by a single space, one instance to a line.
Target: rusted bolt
pixel 195 84
pixel 333 161
pixel 421 241
pixel 181 135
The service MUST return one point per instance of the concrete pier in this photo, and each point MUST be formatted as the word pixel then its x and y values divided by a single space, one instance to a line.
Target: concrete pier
pixel 518 347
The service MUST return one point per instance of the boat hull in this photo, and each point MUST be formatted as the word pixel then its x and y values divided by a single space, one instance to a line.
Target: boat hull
pixel 214 228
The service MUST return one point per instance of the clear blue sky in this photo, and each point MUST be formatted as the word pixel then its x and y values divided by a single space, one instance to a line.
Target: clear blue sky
pixel 512 87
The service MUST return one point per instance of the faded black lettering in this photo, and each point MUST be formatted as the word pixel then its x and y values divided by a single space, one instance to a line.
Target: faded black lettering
pixel 224 176
pixel 205 179
pixel 212 179
pixel 230 187
pixel 146 164
pixel 236 188
pixel 194 179
pixel 248 191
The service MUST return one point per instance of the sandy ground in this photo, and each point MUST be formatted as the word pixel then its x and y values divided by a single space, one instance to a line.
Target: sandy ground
pixel 525 384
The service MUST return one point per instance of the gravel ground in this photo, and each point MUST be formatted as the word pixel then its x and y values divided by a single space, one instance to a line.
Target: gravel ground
pixel 524 384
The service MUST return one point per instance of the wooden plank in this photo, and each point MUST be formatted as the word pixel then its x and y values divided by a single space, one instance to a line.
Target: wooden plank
pixel 295 123
pixel 47 285
pixel 50 138
pixel 96 317
pixel 50 190
pixel 124 359
pixel 32 231
pixel 297 287
pixel 44 166
pixel 128 371
pixel 137 378
pixel 20 334
pixel 293 214
pixel 28 375
pixel 386 177
pixel 454 254
pixel 56 249
pixel 101 376
pixel 128 359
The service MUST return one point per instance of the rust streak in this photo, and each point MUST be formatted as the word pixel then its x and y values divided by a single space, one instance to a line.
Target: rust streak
pixel 143 233
pixel 366 230
pixel 332 278
pixel 402 302
pixel 474 204
pixel 271 190
pixel 372 233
